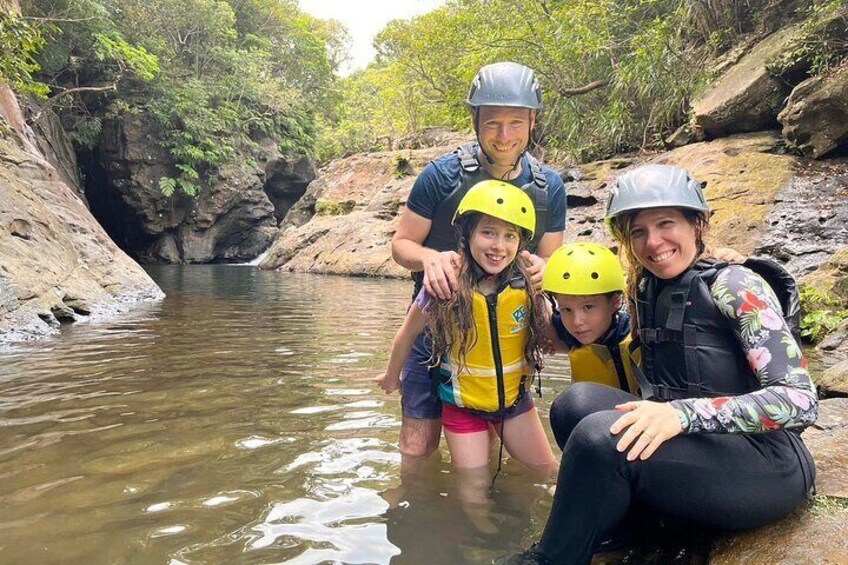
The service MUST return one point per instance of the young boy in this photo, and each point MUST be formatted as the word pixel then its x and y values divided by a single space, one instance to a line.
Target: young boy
pixel 587 283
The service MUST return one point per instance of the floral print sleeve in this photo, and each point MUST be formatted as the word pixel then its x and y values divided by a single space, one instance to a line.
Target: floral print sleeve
pixel 788 398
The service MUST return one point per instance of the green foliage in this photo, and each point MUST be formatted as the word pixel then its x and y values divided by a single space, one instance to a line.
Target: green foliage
pixel 85 130
pixel 827 505
pixel 644 53
pixel 168 186
pixel 20 41
pixel 215 76
pixel 112 47
pixel 822 313
pixel 820 45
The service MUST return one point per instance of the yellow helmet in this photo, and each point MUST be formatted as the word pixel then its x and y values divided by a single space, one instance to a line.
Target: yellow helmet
pixel 500 200
pixel 583 269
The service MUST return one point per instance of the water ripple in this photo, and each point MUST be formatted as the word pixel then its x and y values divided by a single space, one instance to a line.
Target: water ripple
pixel 325 523
pixel 234 422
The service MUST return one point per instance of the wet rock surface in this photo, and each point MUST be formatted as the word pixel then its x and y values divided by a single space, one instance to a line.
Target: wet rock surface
pixel 809 219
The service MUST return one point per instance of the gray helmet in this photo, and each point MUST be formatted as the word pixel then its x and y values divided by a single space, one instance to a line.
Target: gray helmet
pixel 505 84
pixel 656 186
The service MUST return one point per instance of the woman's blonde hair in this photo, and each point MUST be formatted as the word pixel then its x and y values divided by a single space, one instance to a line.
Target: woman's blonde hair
pixel 451 321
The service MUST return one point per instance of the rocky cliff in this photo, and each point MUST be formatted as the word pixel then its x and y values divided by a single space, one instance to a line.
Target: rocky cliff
pixel 233 219
pixel 57 264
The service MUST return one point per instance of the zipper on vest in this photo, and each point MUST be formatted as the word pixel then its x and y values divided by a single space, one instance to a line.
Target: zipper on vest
pixel 492 307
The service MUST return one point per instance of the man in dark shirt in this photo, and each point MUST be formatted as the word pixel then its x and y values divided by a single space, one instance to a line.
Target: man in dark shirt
pixel 504 101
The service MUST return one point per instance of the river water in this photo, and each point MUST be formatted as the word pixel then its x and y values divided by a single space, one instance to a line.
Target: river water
pixel 235 422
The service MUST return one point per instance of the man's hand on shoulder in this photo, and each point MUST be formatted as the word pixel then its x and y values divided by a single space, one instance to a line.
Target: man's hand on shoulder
pixel 535 267
pixel 440 273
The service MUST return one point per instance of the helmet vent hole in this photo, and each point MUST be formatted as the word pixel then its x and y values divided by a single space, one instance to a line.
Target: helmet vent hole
pixel 591 252
pixel 523 210
pixel 595 276
pixel 500 201
pixel 566 276
pixel 570 253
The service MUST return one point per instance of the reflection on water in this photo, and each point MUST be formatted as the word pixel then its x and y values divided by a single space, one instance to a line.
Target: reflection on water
pixel 233 422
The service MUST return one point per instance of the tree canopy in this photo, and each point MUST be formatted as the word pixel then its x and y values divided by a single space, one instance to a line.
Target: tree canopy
pixel 616 74
pixel 217 75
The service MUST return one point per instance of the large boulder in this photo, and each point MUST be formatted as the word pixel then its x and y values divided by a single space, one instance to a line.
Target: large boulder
pixel 232 219
pixel 56 263
pixel 825 520
pixel 345 221
pixel 815 119
pixel 834 380
pixel 748 97
pixel 744 175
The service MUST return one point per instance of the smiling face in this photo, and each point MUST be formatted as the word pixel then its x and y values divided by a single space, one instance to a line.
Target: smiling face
pixel 587 318
pixel 504 133
pixel 663 241
pixel 494 244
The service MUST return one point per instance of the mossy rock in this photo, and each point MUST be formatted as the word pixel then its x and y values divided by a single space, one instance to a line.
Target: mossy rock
pixel 832 277
pixel 330 208
pixel 834 381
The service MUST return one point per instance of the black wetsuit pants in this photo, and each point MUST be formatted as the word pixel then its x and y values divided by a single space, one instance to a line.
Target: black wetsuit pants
pixel 725 481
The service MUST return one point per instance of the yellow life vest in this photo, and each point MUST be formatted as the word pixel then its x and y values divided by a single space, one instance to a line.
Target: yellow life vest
pixel 597 364
pixel 495 370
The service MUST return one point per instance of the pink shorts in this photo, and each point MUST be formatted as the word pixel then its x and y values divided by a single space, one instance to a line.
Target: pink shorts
pixel 461 421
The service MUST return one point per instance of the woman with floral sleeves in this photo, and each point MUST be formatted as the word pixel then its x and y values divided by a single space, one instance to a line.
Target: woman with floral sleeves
pixel 715 438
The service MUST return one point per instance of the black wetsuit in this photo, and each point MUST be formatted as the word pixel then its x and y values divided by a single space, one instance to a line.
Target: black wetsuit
pixel 740 462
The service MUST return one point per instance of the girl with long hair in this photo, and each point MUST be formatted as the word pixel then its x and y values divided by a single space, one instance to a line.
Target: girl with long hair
pixel 485 338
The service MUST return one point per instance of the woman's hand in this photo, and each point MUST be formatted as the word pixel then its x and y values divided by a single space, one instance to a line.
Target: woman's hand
pixel 388 383
pixel 648 425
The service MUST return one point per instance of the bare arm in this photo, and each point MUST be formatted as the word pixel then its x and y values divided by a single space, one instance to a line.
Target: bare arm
pixel 412 325
pixel 549 243
pixel 550 339
pixel 408 251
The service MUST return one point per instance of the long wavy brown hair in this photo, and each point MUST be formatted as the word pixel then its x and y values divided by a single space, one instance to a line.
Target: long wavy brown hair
pixel 620 227
pixel 451 321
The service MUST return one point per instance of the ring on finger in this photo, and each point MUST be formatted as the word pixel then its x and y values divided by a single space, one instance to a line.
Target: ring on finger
pixel 648 436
